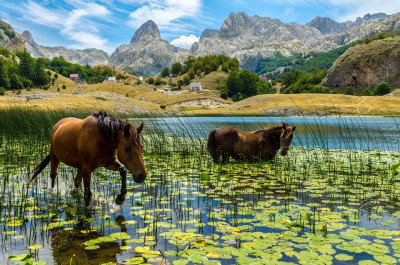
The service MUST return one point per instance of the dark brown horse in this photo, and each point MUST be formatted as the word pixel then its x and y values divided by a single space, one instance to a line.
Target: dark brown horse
pixel 227 141
pixel 96 141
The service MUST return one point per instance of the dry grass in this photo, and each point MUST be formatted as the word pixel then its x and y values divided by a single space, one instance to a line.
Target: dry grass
pixel 309 104
pixel 118 97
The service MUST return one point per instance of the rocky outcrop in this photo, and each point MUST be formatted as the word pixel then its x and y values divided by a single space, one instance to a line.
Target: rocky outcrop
pixel 20 42
pixel 147 53
pixel 209 33
pixel 367 29
pixel 329 26
pixel 251 38
pixel 91 56
pixel 367 65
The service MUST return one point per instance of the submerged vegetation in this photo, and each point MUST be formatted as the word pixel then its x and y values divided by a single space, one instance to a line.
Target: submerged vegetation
pixel 314 206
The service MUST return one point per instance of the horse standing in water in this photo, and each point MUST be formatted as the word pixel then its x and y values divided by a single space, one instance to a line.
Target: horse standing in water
pixel 96 141
pixel 231 142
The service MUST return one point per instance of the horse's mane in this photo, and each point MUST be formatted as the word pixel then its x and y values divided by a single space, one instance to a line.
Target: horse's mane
pixel 109 126
pixel 270 129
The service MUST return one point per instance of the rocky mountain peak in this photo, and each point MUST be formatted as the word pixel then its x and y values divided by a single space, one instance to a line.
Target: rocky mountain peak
pixel 28 36
pixel 146 32
pixel 327 25
pixel 235 24
pixel 209 33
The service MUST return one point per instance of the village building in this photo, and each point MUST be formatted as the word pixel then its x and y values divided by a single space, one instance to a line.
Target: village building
pixel 195 86
pixel 110 79
pixel 140 78
pixel 76 78
pixel 264 78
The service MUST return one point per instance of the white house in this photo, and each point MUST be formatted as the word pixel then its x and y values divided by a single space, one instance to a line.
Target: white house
pixel 195 86
pixel 140 78
pixel 110 79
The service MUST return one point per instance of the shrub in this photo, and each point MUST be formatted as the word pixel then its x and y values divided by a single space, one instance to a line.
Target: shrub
pixel 366 92
pixel 64 86
pixel 150 80
pixel 335 91
pixel 157 81
pixel 165 72
pixel 162 106
pixel 382 89
pixel 224 95
pixel 349 90
pixel 2 91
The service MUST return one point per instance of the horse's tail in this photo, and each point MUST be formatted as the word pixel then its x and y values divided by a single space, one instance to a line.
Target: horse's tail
pixel 211 146
pixel 40 168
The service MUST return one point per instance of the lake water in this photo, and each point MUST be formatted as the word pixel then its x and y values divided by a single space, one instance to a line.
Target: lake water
pixel 360 133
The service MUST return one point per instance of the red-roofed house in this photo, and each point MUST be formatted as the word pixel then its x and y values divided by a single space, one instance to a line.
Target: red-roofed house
pixel 75 77
pixel 264 78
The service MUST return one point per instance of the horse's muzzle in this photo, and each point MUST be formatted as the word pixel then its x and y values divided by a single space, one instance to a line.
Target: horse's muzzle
pixel 284 152
pixel 139 178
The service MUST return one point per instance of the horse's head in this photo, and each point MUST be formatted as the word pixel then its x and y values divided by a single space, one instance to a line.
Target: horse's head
pixel 286 137
pixel 130 152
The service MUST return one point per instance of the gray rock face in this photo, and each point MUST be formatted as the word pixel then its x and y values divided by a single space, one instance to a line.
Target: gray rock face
pixel 209 33
pixel 251 38
pixel 147 53
pixel 147 32
pixel 25 41
pixel 91 56
pixel 329 26
pixel 367 65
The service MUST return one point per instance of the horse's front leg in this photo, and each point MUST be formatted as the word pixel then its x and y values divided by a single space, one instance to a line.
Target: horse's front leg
pixel 116 165
pixel 86 175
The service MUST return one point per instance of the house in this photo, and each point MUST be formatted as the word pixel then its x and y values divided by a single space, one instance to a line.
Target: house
pixel 76 78
pixel 110 79
pixel 264 78
pixel 140 78
pixel 195 86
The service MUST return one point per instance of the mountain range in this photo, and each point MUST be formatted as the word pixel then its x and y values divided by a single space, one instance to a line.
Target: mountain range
pixel 248 38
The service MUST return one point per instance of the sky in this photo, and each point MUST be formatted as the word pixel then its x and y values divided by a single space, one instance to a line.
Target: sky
pixel 106 24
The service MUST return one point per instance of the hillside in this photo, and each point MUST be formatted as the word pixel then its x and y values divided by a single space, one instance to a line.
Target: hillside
pixel 366 65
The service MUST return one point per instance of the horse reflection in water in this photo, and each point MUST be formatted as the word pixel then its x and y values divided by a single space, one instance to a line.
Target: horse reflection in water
pixel 68 246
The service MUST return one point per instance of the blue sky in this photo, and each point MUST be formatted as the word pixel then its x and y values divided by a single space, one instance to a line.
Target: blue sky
pixel 106 24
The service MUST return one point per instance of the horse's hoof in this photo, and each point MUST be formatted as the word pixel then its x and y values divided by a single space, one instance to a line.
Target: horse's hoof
pixel 120 199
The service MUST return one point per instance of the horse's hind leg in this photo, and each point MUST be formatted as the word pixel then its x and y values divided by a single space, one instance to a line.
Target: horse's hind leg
pixel 225 158
pixel 78 178
pixel 54 162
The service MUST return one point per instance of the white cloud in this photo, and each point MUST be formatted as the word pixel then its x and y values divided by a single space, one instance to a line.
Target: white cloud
pixel 358 8
pixel 185 41
pixel 165 13
pixel 76 24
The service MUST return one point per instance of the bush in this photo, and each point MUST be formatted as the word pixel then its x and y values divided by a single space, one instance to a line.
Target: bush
pixel 162 106
pixel 366 92
pixel 64 86
pixel 224 95
pixel 349 90
pixel 165 72
pixel 150 80
pixel 382 89
pixel 158 81
pixel 2 91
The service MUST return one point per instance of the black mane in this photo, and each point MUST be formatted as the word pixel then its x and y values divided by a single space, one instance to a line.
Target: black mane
pixel 109 126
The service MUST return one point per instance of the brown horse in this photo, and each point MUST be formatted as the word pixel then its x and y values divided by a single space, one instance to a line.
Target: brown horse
pixel 264 144
pixel 96 141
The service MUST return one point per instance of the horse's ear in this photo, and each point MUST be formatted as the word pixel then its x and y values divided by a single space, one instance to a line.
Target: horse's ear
pixel 139 129
pixel 127 130
pixel 294 128
pixel 284 125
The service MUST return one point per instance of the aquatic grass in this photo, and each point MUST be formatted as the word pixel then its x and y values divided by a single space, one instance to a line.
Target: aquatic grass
pixel 283 211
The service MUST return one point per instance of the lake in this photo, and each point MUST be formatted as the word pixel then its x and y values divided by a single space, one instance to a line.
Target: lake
pixel 360 133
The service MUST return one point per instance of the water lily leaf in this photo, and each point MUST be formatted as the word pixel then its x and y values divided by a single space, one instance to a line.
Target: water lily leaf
pixel 125 247
pixel 180 262
pixel 343 257
pixel 136 260
pixel 142 249
pixel 92 247
pixel 34 247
